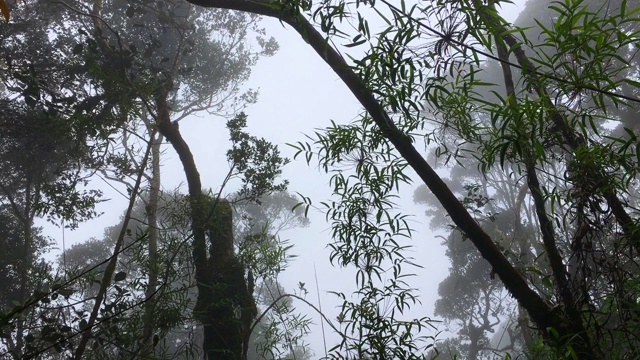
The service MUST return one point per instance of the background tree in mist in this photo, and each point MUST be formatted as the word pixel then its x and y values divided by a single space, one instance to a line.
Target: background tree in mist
pixel 177 333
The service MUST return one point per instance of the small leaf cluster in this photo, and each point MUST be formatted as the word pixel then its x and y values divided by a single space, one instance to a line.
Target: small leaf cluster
pixel 257 160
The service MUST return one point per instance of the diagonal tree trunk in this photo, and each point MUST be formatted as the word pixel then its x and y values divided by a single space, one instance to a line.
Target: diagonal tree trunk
pixel 111 266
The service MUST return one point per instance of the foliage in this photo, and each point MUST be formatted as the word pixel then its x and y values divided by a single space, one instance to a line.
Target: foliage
pixel 47 143
pixel 257 159
pixel 368 234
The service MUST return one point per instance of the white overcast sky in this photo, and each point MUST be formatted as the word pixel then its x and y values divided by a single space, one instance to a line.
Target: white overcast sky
pixel 298 94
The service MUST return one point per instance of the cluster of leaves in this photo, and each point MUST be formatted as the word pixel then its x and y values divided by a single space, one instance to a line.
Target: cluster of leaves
pixel 370 234
pixel 256 159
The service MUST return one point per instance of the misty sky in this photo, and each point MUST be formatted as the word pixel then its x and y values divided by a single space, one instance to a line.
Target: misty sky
pixel 298 94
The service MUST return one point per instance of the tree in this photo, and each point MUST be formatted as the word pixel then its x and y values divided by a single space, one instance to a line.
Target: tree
pixel 160 65
pixel 473 303
pixel 48 139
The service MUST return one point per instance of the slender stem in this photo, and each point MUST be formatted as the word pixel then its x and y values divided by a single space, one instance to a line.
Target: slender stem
pixel 111 266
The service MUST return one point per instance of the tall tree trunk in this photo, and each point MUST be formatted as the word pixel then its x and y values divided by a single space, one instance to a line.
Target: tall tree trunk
pixel 26 217
pixel 475 334
pixel 152 220
pixel 581 341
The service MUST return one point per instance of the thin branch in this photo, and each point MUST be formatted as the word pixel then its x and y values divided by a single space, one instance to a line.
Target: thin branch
pixel 111 266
